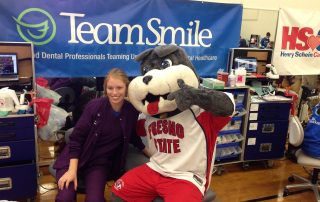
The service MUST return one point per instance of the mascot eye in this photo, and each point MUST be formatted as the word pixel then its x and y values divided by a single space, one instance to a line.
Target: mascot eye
pixel 166 63
pixel 145 69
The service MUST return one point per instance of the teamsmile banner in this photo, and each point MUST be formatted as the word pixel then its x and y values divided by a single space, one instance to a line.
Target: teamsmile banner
pixel 88 37
pixel 297 48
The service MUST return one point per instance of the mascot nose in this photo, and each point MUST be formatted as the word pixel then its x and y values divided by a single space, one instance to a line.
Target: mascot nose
pixel 147 79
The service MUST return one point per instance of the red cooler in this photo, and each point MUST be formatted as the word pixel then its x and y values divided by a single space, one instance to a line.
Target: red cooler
pixel 223 76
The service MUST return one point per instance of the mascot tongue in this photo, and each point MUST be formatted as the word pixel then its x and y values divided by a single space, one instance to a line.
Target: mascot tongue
pixel 153 108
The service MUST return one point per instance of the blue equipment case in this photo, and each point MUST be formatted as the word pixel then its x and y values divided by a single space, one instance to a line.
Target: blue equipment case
pixel 18 170
pixel 267 128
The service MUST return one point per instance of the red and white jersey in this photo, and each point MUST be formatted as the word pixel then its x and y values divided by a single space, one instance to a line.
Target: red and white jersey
pixel 184 145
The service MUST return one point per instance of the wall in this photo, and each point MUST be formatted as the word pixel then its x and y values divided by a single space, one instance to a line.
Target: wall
pixel 256 21
pixel 274 4
pixel 260 16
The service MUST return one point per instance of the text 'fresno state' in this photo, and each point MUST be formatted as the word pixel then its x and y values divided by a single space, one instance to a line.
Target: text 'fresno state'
pixel 158 129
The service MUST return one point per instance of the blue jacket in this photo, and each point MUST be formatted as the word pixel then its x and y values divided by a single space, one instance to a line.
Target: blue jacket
pixel 311 141
pixel 264 42
pixel 86 132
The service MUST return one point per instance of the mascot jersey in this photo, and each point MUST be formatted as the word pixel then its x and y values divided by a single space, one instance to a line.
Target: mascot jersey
pixel 184 148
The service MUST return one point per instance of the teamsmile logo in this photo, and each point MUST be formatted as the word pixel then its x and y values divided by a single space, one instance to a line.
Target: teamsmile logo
pixel 42 29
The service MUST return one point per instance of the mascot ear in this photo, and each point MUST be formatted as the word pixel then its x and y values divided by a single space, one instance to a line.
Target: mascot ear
pixel 162 51
pixel 144 54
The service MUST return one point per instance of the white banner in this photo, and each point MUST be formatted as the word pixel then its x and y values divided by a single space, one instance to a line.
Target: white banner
pixel 297 47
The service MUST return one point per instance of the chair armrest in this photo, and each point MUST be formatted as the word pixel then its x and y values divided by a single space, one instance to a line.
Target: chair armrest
pixel 135 158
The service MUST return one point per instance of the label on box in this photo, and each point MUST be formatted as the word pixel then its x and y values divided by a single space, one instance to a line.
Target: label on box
pixel 253 126
pixel 252 141
pixel 254 107
pixel 253 116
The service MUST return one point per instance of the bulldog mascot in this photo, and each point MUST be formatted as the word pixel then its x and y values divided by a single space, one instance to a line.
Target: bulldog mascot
pixel 181 124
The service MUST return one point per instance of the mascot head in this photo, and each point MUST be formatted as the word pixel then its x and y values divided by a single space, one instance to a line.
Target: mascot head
pixel 161 67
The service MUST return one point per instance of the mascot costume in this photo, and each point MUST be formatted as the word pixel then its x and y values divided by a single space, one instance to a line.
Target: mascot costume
pixel 181 124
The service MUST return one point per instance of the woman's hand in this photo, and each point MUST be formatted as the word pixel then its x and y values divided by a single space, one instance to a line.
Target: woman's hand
pixel 67 178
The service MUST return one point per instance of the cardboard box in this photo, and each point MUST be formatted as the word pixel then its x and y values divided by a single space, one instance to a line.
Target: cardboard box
pixel 259 55
pixel 261 67
pixel 213 83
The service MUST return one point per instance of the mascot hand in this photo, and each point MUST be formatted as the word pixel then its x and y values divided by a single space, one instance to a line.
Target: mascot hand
pixel 184 97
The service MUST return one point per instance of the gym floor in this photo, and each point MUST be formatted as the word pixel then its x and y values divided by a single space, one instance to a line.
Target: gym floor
pixel 233 184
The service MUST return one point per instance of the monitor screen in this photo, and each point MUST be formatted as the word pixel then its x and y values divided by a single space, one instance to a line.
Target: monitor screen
pixel 254 40
pixel 250 64
pixel 8 66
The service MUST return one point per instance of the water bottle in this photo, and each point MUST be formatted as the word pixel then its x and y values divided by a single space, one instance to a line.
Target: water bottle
pixel 232 79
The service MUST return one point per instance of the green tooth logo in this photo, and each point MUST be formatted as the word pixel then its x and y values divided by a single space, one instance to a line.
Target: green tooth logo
pixel 39 33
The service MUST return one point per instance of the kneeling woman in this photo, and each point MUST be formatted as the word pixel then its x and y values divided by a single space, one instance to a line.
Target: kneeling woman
pixel 99 142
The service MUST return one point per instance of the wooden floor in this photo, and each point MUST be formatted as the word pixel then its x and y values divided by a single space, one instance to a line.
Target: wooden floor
pixel 256 183
pixel 234 184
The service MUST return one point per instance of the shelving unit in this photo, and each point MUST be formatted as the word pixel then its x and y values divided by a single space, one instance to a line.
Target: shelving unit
pixel 18 153
pixel 263 57
pixel 231 139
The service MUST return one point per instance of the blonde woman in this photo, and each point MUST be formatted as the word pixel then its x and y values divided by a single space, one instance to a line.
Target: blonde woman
pixel 99 142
